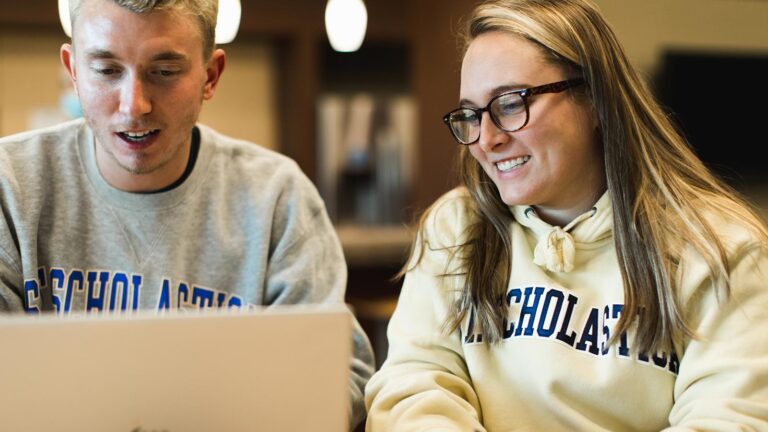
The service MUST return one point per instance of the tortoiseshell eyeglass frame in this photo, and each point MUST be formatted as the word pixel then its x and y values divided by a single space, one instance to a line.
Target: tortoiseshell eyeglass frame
pixel 524 94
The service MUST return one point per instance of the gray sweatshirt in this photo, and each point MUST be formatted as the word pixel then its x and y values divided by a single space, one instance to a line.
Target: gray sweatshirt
pixel 246 227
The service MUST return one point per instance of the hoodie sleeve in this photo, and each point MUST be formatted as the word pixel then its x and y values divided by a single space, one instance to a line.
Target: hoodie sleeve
pixel 723 379
pixel 424 384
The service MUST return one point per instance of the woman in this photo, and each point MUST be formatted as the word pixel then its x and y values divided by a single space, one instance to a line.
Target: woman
pixel 590 274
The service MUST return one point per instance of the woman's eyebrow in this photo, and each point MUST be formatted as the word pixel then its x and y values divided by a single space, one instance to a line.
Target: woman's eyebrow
pixel 495 92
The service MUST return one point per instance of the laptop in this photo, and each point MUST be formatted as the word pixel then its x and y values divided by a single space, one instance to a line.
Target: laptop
pixel 277 369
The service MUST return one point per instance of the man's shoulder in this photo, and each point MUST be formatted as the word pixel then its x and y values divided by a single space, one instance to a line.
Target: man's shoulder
pixel 40 149
pixel 252 163
pixel 57 132
pixel 240 149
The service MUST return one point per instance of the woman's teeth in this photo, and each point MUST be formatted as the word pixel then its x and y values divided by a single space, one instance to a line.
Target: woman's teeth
pixel 511 164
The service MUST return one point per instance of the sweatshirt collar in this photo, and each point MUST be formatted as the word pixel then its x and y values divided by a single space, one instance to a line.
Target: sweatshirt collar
pixel 142 201
pixel 556 246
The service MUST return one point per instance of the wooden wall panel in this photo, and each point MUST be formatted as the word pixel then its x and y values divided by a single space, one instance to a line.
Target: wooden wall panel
pixel 28 13
pixel 436 73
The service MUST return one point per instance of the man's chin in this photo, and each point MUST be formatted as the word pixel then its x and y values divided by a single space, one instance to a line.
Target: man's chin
pixel 134 165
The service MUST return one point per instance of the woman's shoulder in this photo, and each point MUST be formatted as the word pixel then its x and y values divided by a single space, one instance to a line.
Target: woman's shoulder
pixel 445 222
pixel 455 200
pixel 729 229
pixel 736 225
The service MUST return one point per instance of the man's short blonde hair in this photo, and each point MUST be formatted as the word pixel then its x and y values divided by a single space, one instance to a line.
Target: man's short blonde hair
pixel 205 11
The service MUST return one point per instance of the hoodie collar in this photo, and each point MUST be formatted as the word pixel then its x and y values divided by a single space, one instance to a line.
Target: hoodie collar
pixel 556 246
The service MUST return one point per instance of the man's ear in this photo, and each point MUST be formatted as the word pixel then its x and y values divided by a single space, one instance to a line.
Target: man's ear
pixel 214 69
pixel 67 55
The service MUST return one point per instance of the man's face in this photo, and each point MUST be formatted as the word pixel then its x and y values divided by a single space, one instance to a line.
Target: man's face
pixel 141 80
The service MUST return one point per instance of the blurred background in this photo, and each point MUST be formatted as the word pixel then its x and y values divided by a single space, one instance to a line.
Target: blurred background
pixel 366 126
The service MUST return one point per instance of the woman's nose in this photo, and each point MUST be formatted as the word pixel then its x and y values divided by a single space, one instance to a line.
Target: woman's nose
pixel 490 134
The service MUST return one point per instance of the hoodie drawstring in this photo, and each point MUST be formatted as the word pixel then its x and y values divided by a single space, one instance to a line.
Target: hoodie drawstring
pixel 555 251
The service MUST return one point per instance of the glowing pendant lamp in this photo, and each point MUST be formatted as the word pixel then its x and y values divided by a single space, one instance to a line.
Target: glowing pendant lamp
pixel 228 21
pixel 66 24
pixel 345 23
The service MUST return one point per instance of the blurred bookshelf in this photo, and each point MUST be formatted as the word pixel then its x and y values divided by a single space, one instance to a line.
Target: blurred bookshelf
pixel 374 254
pixel 374 245
pixel 366 133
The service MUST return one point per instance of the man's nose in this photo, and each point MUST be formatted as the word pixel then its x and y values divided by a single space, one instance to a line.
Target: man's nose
pixel 134 100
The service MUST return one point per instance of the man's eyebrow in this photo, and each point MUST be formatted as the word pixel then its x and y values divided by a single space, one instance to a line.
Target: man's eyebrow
pixel 100 54
pixel 168 55
pixel 165 55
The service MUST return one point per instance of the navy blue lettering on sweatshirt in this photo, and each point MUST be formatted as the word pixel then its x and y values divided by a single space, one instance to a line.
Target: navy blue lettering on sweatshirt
pixel 115 291
pixel 548 314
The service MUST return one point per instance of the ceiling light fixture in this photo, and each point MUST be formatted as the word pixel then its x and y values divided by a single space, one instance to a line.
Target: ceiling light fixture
pixel 228 21
pixel 345 24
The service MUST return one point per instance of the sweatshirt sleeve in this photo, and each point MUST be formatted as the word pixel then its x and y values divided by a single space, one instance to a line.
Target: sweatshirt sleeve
pixel 10 260
pixel 424 384
pixel 10 300
pixel 307 266
pixel 723 380
pixel 10 273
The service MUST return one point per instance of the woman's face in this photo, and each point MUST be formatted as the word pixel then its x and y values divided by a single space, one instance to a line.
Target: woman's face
pixel 555 162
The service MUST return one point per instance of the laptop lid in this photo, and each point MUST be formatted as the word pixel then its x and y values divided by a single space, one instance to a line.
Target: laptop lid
pixel 263 370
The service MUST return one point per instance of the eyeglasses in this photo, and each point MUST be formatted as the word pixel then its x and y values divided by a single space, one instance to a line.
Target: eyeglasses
pixel 508 111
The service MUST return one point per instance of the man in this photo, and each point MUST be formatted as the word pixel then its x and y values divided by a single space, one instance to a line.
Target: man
pixel 138 207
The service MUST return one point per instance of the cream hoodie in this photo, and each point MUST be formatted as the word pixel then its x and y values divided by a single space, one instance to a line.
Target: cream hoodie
pixel 554 371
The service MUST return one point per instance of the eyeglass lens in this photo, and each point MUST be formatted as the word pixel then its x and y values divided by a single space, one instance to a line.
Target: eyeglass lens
pixel 507 112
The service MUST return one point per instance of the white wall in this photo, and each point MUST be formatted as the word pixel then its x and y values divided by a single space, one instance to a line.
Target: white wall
pixel 245 103
pixel 29 77
pixel 647 27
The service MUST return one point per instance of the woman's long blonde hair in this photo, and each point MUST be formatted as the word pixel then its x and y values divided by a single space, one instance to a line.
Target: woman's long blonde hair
pixel 658 187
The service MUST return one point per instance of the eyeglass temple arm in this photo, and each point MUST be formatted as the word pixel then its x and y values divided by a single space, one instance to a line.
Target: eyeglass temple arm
pixel 554 87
